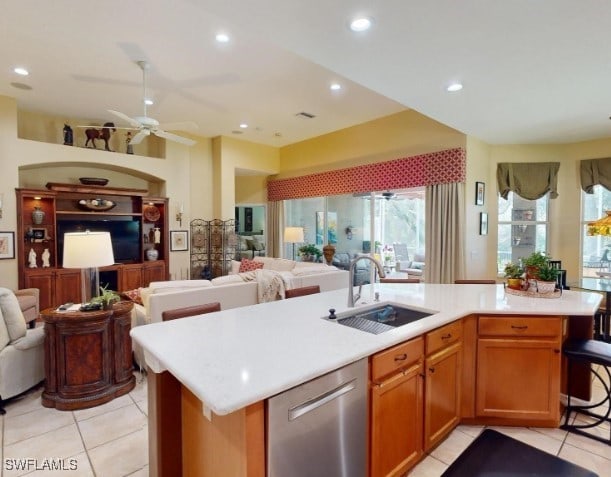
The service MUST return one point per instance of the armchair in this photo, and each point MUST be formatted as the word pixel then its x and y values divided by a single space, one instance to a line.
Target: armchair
pixel 21 350
pixel 29 303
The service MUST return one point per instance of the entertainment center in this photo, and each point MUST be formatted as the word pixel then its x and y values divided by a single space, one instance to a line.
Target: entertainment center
pixel 136 223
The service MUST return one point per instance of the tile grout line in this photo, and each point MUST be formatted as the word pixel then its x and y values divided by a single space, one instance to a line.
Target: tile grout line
pixel 78 428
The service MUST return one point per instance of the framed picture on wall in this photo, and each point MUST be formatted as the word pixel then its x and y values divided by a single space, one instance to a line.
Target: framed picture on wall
pixel 483 223
pixel 7 245
pixel 480 190
pixel 179 240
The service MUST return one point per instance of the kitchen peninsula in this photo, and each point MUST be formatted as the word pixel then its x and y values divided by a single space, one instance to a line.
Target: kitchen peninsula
pixel 211 375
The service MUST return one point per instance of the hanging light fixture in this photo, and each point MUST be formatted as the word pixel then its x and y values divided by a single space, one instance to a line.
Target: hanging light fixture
pixel 601 226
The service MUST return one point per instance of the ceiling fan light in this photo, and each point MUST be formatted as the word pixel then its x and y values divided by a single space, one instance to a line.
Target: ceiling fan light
pixel 149 102
pixel 361 24
pixel 222 37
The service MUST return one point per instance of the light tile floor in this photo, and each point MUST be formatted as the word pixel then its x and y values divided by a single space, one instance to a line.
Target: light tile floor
pixel 111 440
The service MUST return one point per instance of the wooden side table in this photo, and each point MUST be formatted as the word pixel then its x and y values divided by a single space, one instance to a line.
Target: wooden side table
pixel 88 357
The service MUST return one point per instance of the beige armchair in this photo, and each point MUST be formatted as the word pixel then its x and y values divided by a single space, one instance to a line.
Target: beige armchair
pixel 29 303
pixel 21 350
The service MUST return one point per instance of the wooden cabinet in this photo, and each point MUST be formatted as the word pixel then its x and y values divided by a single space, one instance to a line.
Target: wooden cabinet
pixel 518 369
pixel 443 372
pixel 396 408
pixel 87 357
pixel 133 221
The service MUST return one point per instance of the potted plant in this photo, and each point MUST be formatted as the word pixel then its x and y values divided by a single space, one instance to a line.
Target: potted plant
pixel 513 273
pixel 106 298
pixel 533 263
pixel 309 253
pixel 546 283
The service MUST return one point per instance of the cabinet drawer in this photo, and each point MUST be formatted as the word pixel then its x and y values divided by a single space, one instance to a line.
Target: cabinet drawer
pixel 398 357
pixel 444 336
pixel 518 326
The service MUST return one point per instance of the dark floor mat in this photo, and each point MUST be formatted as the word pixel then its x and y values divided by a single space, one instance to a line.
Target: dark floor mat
pixel 494 454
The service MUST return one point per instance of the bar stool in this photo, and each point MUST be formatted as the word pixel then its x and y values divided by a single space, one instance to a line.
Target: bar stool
pixel 592 352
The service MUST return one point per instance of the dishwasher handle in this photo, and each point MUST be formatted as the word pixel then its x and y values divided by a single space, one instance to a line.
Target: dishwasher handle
pixel 318 401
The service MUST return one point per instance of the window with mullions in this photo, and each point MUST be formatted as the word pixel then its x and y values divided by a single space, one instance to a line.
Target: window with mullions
pixel 595 249
pixel 523 228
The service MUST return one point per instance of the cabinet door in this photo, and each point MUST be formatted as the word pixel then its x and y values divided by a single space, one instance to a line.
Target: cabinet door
pixel 518 378
pixel 67 286
pixel 443 372
pixel 153 272
pixel 43 280
pixel 130 277
pixel 396 423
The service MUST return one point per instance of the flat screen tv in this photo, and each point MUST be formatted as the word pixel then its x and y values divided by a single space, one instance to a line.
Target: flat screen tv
pixel 124 233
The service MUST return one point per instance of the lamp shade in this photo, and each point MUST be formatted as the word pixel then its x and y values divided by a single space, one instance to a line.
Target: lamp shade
pixel 87 250
pixel 293 234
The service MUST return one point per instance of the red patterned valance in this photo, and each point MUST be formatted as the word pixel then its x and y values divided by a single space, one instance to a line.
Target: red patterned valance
pixel 443 167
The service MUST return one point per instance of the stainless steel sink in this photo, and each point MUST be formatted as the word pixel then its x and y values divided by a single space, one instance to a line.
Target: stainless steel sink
pixel 381 318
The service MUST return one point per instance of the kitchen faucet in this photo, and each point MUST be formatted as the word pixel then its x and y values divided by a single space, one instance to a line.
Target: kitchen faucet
pixel 351 298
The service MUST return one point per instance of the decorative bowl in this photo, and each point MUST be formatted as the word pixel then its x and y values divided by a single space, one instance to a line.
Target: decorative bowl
pixel 100 181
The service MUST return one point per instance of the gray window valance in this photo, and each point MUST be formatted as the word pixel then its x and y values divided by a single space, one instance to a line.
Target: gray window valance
pixel 530 180
pixel 594 172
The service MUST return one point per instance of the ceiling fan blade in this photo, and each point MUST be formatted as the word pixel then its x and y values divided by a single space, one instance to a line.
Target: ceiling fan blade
pixel 179 126
pixel 174 137
pixel 126 118
pixel 137 139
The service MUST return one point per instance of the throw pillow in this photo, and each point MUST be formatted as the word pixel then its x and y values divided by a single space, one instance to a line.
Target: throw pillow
pixel 133 295
pixel 256 245
pixel 249 244
pixel 247 265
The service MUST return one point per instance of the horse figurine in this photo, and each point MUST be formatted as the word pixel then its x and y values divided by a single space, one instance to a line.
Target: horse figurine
pixel 104 133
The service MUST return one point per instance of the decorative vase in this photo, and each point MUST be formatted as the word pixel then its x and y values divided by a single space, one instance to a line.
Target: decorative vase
pixel 514 283
pixel 38 215
pixel 152 254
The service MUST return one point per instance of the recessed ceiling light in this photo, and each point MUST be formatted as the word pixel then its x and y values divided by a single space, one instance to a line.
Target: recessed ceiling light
pixel 21 71
pixel 360 24
pixel 222 37
pixel 335 86
pixel 148 102
pixel 243 125
pixel 454 87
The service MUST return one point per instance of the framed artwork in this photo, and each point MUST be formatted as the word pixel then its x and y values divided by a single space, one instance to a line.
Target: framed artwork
pixel 7 245
pixel 179 240
pixel 39 234
pixel 480 189
pixel 483 223
pixel 331 227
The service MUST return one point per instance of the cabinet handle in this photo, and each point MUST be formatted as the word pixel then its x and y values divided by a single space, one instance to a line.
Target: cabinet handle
pixel 432 370
pixel 556 351
pixel 446 337
pixel 401 357
pixel 515 327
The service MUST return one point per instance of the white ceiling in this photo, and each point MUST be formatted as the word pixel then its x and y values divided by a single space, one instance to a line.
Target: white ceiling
pixel 534 71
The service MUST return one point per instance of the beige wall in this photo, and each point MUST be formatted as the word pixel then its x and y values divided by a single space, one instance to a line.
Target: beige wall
pixel 251 189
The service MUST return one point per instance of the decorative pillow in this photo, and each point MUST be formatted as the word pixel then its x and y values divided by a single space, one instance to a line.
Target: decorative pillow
pixel 247 265
pixel 276 264
pixel 235 267
pixel 256 245
pixel 417 265
pixel 249 245
pixel 133 295
pixel 242 240
pixel 15 322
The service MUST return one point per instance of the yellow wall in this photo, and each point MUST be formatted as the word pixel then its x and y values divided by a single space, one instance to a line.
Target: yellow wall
pixel 400 135
pixel 251 189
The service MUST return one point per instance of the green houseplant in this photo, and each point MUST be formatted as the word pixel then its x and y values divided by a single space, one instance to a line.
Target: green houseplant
pixel 546 282
pixel 106 298
pixel 310 252
pixel 533 263
pixel 513 273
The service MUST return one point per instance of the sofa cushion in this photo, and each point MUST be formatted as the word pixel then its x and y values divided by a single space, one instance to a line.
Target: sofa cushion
pixel 257 245
pixel 235 278
pixel 176 285
pixel 419 257
pixel 310 268
pixel 247 265
pixel 4 337
pixel 242 244
pixel 417 265
pixel 234 268
pixel 15 323
pixel 276 264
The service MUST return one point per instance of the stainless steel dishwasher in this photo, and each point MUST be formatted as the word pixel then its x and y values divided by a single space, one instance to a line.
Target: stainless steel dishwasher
pixel 318 429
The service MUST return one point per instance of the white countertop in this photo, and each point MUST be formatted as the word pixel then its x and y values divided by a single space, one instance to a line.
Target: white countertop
pixel 237 357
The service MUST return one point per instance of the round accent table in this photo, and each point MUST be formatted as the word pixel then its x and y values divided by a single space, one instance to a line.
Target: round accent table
pixel 88 357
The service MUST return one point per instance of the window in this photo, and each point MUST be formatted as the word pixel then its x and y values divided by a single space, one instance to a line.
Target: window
pixel 522 230
pixel 595 249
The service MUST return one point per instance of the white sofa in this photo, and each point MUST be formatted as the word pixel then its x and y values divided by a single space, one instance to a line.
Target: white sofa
pixel 231 291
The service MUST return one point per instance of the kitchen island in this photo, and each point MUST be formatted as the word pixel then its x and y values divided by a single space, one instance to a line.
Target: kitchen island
pixel 222 367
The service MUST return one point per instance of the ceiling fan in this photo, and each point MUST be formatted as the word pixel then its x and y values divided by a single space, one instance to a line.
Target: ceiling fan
pixel 146 125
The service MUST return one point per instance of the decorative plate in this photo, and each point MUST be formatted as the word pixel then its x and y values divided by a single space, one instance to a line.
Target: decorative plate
pixel 96 204
pixel 151 213
pixel 100 181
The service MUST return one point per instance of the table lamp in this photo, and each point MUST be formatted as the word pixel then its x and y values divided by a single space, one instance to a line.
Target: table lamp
pixel 293 235
pixel 88 251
